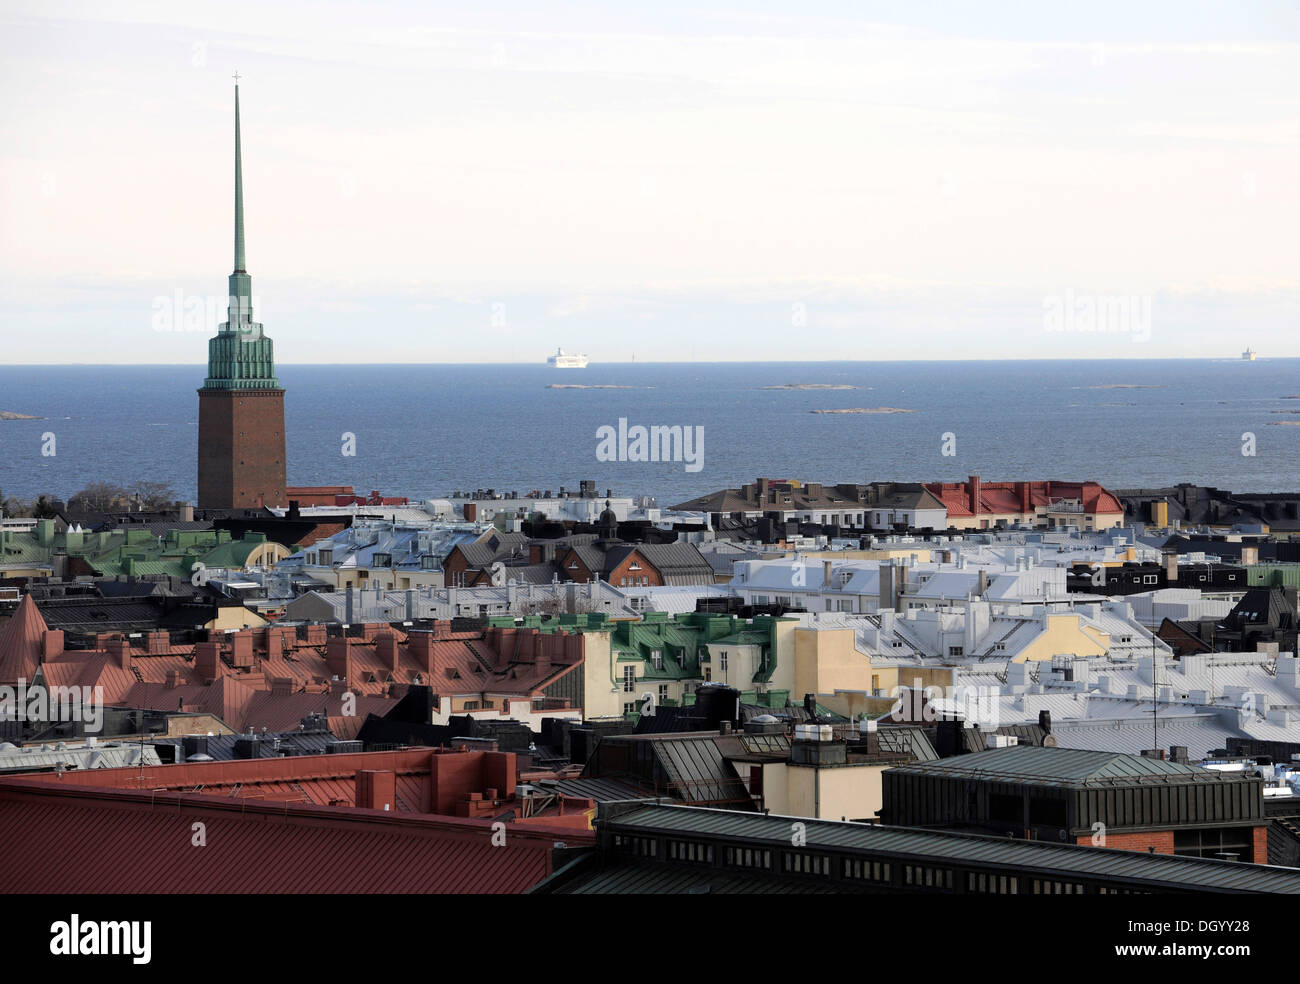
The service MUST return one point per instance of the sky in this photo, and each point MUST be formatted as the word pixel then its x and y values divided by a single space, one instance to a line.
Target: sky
pixel 432 183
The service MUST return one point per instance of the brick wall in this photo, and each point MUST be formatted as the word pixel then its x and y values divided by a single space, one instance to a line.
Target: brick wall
pixel 241 448
pixel 1161 840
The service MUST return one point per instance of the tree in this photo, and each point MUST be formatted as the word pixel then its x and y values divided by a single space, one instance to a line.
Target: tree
pixel 98 497
pixel 153 496
pixel 142 496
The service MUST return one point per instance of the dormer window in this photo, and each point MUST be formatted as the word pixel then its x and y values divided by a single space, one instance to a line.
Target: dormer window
pixel 382 560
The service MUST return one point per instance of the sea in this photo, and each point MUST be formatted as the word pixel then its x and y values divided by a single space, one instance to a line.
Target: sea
pixel 427 430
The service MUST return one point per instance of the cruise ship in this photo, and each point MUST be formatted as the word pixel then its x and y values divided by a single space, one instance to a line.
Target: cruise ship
pixel 561 361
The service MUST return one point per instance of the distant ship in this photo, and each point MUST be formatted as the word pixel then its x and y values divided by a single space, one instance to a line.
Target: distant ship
pixel 1248 356
pixel 561 361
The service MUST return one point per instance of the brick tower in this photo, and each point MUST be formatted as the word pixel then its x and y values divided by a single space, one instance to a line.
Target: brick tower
pixel 241 404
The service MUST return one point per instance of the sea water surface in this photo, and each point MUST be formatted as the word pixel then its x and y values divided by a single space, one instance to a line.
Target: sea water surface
pixel 425 430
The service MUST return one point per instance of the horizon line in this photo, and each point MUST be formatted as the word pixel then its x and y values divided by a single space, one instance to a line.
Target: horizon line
pixel 681 362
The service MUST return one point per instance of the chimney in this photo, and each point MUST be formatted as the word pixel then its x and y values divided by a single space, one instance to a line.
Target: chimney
pixel 826 574
pixel 886 600
pixel 207 661
pixel 348 606
pixel 52 643
pixel 241 651
pixel 157 642
pixel 338 657
pixel 1022 488
pixel 1249 554
pixel 974 481
pixel 187 512
pixel 386 649
pixel 1171 566
pixel 376 789
pixel 119 651
pixel 1045 721
pixel 421 647
pixel 982 588
pixel 274 643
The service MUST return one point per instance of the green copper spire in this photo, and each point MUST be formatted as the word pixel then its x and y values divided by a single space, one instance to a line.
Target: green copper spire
pixel 239 355
pixel 239 194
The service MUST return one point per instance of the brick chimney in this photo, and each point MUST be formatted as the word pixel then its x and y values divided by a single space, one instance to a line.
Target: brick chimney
pixel 241 649
pixel 207 661
pixel 545 646
pixel 386 650
pixel 974 485
pixel 421 647
pixel 338 657
pixel 1022 489
pixel 274 643
pixel 376 789
pixel 52 643
pixel 157 642
pixel 119 651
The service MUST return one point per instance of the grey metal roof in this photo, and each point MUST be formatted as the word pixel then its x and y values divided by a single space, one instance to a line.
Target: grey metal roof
pixel 697 771
pixel 1156 870
pixel 906 741
pixel 1061 766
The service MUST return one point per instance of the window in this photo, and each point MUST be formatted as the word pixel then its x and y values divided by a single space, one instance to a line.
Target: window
pixel 878 871
pixel 708 674
pixel 722 661
pixel 471 705
pixel 749 857
pixel 663 692
pixel 805 864
pixel 428 562
pixel 657 658
pixel 629 708
pixel 382 560
pixel 955 650
pixel 629 679
pixel 642 847
pixel 327 557
pixel 690 851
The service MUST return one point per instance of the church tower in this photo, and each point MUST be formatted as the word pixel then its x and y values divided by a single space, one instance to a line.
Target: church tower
pixel 241 404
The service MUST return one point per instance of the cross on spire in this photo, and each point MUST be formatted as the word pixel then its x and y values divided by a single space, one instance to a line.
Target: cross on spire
pixel 236 76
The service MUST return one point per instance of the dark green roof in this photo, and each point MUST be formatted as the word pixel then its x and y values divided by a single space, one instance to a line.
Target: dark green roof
pixel 1063 766
pixel 1157 871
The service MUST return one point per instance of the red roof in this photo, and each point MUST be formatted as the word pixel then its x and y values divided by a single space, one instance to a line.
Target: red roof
pixel 20 643
pixel 78 839
pixel 269 678
pixel 283 825
pixel 1002 498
